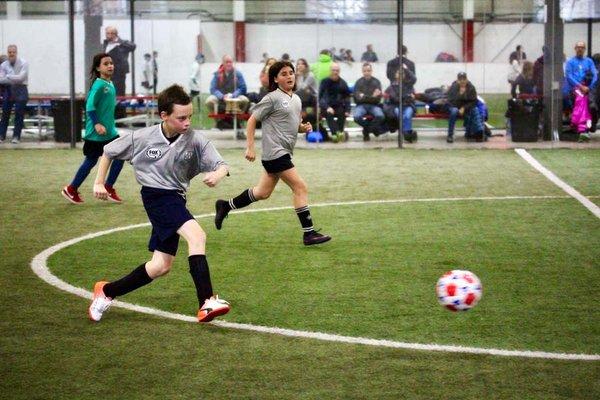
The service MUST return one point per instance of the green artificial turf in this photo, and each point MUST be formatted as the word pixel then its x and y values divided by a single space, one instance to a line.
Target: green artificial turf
pixel 537 259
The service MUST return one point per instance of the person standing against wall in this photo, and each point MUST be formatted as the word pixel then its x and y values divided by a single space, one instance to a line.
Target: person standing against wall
pixel 118 49
pixel 13 88
pixel 195 78
pixel 395 64
pixel 148 73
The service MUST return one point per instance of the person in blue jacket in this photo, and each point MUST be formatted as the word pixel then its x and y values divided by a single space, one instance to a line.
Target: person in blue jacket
pixel 576 70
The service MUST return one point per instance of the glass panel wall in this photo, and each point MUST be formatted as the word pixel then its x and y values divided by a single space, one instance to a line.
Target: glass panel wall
pixel 198 44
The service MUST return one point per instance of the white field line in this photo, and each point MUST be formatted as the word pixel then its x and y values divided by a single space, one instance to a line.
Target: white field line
pixel 559 182
pixel 40 268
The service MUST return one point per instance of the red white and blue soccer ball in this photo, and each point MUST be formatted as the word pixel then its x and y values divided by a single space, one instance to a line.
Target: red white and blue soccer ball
pixel 458 290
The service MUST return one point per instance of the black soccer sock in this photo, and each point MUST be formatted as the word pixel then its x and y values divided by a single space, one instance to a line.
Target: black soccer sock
pixel 242 200
pixel 303 214
pixel 201 277
pixel 135 280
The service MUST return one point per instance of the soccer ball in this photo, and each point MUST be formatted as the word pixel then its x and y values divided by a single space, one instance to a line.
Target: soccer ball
pixel 458 290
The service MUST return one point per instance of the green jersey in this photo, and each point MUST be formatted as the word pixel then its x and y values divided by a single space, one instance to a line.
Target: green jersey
pixel 101 100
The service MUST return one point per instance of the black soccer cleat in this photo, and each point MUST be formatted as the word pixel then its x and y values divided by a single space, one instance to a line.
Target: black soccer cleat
pixel 221 210
pixel 315 237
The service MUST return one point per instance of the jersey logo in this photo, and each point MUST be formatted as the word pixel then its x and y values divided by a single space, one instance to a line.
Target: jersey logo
pixel 153 153
pixel 106 89
pixel 285 103
pixel 188 155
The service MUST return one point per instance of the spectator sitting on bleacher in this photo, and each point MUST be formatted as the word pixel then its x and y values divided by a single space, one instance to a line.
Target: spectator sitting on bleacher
pixel 322 68
pixel 306 89
pixel 392 103
pixel 341 56
pixel 369 55
pixel 227 83
pixel 524 82
pixel 348 56
pixel 334 102
pixel 462 101
pixel 367 96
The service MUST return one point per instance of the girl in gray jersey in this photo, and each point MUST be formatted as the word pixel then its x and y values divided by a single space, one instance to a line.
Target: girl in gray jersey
pixel 280 114
pixel 165 158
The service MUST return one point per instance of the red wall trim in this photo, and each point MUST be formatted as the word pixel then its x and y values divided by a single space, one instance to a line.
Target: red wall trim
pixel 240 41
pixel 468 40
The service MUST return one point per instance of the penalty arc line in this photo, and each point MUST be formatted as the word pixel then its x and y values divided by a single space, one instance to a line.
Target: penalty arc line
pixel 40 268
pixel 559 182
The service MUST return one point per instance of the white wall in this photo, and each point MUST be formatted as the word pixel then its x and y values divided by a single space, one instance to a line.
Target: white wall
pixel 44 43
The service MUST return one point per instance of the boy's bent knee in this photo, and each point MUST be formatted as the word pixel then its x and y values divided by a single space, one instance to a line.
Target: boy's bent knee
pixel 261 195
pixel 158 268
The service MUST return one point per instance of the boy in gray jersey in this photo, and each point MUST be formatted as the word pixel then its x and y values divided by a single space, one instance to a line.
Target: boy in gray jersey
pixel 279 112
pixel 165 158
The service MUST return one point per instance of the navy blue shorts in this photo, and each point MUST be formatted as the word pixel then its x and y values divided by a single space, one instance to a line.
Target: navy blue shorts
pixel 278 165
pixel 167 213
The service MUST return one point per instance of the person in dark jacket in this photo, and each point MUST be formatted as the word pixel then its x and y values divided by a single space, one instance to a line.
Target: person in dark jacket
pixel 462 101
pixel 524 82
pixel 538 72
pixel 518 55
pixel 394 65
pixel 334 101
pixel 367 96
pixel 393 101
pixel 118 49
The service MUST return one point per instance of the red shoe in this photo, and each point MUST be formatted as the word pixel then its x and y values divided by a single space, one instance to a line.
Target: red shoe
pixel 71 194
pixel 212 308
pixel 112 194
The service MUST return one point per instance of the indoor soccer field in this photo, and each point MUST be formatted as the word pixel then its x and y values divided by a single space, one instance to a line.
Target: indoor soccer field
pixel 353 313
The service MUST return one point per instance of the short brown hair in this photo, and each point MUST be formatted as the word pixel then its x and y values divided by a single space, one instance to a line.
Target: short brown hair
pixel 174 94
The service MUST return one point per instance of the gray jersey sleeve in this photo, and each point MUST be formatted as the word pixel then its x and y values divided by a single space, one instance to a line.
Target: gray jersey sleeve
pixel 263 108
pixel 121 148
pixel 210 159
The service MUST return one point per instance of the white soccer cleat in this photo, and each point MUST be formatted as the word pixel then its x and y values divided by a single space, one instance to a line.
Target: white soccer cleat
pixel 100 303
pixel 212 308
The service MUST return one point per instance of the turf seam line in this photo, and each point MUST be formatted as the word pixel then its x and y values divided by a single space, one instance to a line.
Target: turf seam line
pixel 559 182
pixel 40 268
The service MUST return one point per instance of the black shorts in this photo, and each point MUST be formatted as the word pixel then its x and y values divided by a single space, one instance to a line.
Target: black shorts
pixel 278 165
pixel 94 149
pixel 167 213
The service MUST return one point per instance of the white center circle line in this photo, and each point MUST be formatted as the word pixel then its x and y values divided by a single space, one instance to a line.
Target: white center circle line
pixel 40 268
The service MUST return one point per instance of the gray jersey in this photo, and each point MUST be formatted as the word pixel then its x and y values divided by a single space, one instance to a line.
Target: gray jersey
pixel 163 165
pixel 280 116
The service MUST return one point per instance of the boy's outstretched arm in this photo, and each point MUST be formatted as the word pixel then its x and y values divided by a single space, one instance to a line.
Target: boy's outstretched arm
pixel 99 189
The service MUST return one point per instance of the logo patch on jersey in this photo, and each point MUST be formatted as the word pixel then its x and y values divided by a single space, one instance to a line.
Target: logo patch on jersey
pixel 106 89
pixel 153 153
pixel 285 104
pixel 187 156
